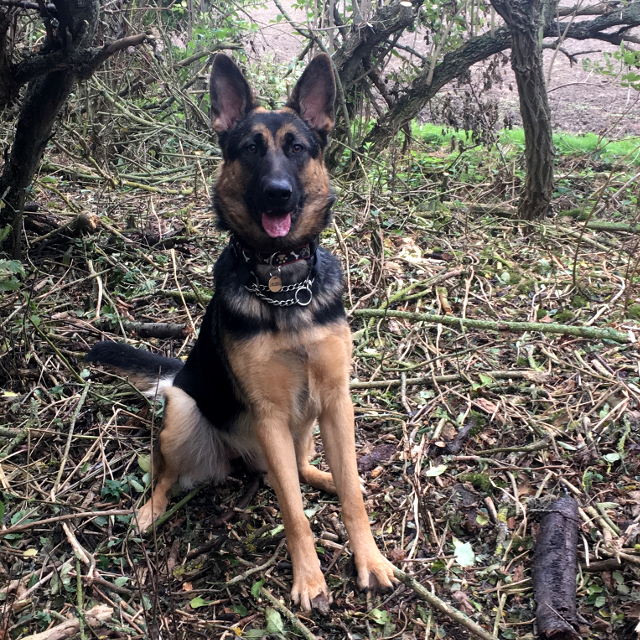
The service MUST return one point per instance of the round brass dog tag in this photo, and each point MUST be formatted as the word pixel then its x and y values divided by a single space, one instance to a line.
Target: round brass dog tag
pixel 275 284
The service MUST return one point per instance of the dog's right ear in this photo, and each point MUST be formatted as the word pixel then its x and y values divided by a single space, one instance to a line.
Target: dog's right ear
pixel 231 96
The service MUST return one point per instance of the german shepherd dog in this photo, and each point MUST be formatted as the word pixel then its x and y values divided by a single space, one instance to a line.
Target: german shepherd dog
pixel 273 354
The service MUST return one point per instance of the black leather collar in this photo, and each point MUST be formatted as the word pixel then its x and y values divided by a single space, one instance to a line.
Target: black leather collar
pixel 277 258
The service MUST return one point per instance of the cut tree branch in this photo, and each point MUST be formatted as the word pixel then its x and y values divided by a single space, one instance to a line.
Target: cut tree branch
pixel 455 63
pixel 580 332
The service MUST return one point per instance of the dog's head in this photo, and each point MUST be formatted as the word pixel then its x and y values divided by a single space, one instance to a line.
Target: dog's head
pixel 272 189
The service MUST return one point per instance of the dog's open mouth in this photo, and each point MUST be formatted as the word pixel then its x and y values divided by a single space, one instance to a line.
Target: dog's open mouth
pixel 276 224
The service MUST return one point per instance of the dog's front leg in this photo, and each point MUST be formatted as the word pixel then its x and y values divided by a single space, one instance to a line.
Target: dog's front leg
pixel 338 438
pixel 309 586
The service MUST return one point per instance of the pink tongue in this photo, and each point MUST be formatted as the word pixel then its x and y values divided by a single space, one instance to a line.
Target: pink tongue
pixel 276 226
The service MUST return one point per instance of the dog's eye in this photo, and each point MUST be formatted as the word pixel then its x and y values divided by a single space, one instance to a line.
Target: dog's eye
pixel 297 148
pixel 251 148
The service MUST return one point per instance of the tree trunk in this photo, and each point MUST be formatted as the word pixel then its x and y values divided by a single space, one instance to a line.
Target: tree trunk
pixel 44 99
pixel 523 18
pixel 412 101
pixel 45 96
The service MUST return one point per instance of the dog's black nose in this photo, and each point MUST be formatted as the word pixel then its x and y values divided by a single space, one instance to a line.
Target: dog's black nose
pixel 278 191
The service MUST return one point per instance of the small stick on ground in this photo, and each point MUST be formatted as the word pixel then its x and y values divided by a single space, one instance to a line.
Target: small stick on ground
pixel 67 516
pixel 262 567
pixel 555 567
pixel 443 607
pixel 292 617
pixel 94 617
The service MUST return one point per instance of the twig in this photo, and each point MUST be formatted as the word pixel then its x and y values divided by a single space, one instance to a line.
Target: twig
pixel 262 567
pixel 529 448
pixel 172 252
pixel 72 426
pixel 443 607
pixel 176 507
pixel 581 332
pixel 292 617
pixel 94 617
pixel 67 516
pixel 533 376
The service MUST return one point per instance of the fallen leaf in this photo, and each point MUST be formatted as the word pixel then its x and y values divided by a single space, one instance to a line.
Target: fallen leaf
pixel 463 553
pixel 187 586
pixel 463 600
pixel 486 405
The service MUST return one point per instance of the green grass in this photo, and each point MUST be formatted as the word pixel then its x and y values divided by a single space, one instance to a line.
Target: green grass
pixel 567 144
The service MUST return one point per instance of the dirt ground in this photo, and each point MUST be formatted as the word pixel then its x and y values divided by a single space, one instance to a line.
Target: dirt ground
pixel 581 101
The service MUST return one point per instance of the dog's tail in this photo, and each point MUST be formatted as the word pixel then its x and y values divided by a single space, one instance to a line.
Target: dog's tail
pixel 149 372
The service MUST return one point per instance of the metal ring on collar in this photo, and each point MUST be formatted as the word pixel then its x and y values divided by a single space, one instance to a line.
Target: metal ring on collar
pixel 302 302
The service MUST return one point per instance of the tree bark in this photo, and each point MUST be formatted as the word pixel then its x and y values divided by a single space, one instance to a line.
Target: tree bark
pixel 45 96
pixel 523 18
pixel 455 63
pixel 555 566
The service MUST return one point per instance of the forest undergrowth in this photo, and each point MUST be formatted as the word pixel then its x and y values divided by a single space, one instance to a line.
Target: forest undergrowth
pixel 463 432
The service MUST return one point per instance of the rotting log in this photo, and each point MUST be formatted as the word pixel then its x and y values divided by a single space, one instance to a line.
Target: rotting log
pixel 150 329
pixel 555 566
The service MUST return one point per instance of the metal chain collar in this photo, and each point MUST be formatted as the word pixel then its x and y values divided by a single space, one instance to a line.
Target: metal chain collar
pixel 302 296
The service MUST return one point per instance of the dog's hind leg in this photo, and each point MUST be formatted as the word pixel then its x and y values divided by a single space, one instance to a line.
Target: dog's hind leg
pixel 190 451
pixel 308 474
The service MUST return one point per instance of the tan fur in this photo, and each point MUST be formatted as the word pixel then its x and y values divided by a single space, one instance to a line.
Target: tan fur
pixel 272 370
pixel 283 131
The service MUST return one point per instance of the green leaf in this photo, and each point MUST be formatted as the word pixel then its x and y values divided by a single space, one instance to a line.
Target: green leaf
pixel 274 621
pixel 144 464
pixel 435 471
pixel 240 610
pixel 600 601
pixel 254 633
pixel 463 553
pixel 380 617
pixel 255 590
pixel 121 581
pixel 611 457
pixel 485 379
pixel 482 518
pixel 198 602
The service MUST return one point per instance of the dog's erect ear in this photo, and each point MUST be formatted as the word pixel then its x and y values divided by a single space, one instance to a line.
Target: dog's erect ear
pixel 315 93
pixel 231 96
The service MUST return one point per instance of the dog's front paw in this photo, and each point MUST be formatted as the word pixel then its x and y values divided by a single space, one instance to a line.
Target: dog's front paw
pixel 149 513
pixel 375 571
pixel 311 592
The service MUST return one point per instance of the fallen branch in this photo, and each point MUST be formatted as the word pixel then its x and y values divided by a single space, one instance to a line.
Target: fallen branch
pixel 453 377
pixel 616 227
pixel 580 332
pixel 555 567
pixel 67 516
pixel 94 617
pixel 150 329
pixel 443 607
pixel 292 617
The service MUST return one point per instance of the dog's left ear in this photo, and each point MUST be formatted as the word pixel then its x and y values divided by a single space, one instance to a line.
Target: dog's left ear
pixel 315 93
